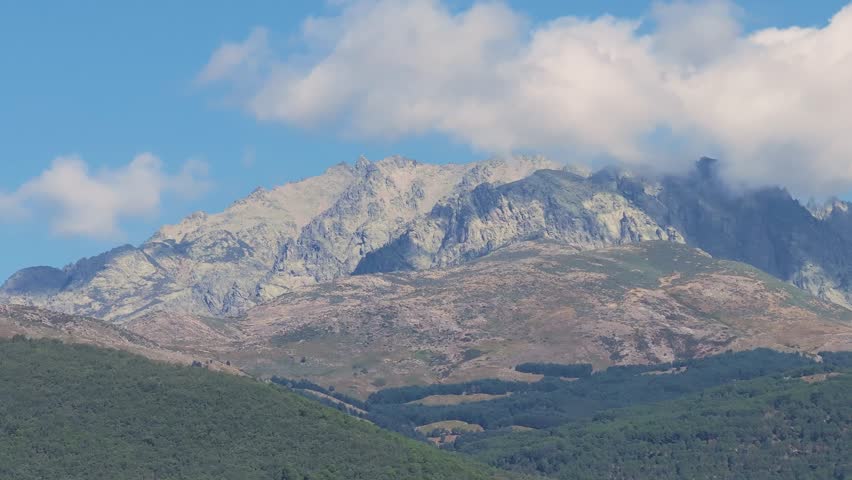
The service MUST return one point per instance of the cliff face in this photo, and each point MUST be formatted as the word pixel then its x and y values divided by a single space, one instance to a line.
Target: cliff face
pixel 583 212
pixel 766 228
pixel 374 210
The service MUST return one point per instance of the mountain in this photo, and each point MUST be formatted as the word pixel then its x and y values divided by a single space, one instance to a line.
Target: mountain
pixel 475 268
pixel 300 233
pixel 534 301
pixel 79 412
pixel 398 214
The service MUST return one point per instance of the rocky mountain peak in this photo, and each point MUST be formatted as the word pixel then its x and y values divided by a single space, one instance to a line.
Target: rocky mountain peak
pixel 827 208
pixel 400 214
pixel 40 280
pixel 264 244
pixel 362 163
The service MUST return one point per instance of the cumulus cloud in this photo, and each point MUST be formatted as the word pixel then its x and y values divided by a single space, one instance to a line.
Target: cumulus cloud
pixel 79 202
pixel 773 104
pixel 9 208
pixel 695 33
pixel 244 58
pixel 249 157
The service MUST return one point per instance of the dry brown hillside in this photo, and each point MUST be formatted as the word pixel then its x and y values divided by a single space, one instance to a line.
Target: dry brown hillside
pixel 534 301
pixel 34 322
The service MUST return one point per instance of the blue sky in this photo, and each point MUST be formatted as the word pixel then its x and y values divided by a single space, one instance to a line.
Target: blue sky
pixel 110 80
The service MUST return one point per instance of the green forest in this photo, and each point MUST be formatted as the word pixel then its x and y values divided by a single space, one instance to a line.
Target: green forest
pixel 745 414
pixel 552 401
pixel 78 412
pixel 769 428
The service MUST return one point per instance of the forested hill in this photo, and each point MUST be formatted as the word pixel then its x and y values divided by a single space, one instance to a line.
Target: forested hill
pixel 774 427
pixel 79 412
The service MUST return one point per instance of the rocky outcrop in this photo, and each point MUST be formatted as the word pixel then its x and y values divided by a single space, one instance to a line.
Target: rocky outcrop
pixel 373 212
pixel 767 228
pixel 36 281
pixel 839 218
pixel 583 212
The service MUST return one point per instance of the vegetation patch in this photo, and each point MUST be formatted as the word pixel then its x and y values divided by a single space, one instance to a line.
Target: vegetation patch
pixel 449 427
pixel 471 353
pixel 583 370
pixel 552 402
pixel 295 336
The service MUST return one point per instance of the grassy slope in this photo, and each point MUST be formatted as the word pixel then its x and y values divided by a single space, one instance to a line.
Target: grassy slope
pixel 75 412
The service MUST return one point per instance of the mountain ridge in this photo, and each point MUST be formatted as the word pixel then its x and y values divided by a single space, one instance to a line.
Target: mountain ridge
pixel 534 301
pixel 260 246
pixel 400 214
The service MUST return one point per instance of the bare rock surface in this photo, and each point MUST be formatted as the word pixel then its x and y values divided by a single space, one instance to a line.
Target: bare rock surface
pixel 263 245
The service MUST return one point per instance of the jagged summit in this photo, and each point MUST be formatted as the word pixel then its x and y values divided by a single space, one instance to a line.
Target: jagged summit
pixel 38 280
pixel 315 229
pixel 827 208
pixel 362 162
pixel 585 213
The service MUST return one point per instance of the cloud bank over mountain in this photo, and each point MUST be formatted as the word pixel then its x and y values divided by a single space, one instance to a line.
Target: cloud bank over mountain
pixel 79 202
pixel 683 81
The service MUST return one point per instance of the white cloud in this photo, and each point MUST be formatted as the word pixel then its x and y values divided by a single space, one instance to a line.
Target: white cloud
pixel 9 207
pixel 775 104
pixel 245 57
pixel 78 202
pixel 249 157
pixel 696 33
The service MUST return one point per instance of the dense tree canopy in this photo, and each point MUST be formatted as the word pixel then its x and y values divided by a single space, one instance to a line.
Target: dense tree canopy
pixel 552 402
pixel 770 428
pixel 78 412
